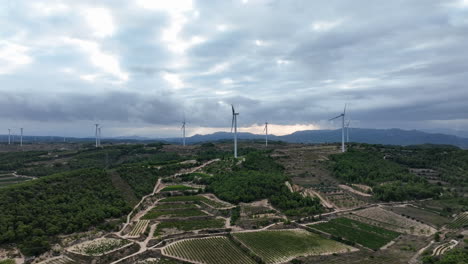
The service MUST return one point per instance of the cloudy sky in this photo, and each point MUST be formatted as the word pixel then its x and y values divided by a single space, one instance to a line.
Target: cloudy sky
pixel 137 67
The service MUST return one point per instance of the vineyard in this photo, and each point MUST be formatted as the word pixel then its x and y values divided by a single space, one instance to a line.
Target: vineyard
pixel 189 225
pixel 139 228
pixel 369 236
pixel 344 200
pixel 9 179
pixel 177 188
pixel 197 199
pixel 389 220
pixel 154 213
pixel 210 250
pixel 99 246
pixel 422 215
pixel 459 222
pixel 57 260
pixel 283 245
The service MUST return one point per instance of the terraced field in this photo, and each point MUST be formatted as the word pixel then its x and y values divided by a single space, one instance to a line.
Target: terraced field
pixel 195 198
pixel 189 225
pixel 369 236
pixel 139 228
pixel 278 246
pixel 8 179
pixel 460 221
pixel 210 250
pixel 58 260
pixel 99 246
pixel 441 249
pixel 382 218
pixel 177 188
pixel 154 213
pixel 424 216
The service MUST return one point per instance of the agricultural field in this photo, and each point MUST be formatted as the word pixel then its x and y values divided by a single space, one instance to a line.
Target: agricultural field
pixel 422 215
pixel 99 246
pixel 173 206
pixel 210 250
pixel 9 179
pixel 171 188
pixel 58 260
pixel 158 261
pixel 278 246
pixel 369 236
pixel 7 261
pixel 190 212
pixel 344 200
pixel 380 217
pixel 190 225
pixel 461 221
pixel 139 228
pixel 441 249
pixel 197 199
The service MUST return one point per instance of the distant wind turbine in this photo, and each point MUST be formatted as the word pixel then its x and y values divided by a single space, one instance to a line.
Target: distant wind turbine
pixel 96 135
pixel 342 115
pixel 347 131
pixel 21 137
pixel 99 135
pixel 9 136
pixel 183 132
pixel 266 134
pixel 234 126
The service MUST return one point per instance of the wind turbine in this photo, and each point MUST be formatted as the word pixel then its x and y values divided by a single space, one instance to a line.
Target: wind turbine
pixel 347 131
pixel 9 136
pixel 183 132
pixel 21 137
pixel 342 115
pixel 266 134
pixel 234 125
pixel 99 135
pixel 96 135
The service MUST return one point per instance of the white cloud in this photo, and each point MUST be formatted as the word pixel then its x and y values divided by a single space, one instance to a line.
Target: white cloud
pixel 170 6
pixel 49 8
pixel 100 21
pixel 108 63
pixel 173 79
pixel 218 68
pixel 282 62
pixel 321 26
pixel 13 56
pixel 227 81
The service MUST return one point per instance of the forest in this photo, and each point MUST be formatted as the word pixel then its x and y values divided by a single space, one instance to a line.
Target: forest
pixel 390 181
pixel 32 213
pixel 260 177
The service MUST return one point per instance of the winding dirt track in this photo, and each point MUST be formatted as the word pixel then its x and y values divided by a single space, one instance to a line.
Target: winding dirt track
pixel 157 188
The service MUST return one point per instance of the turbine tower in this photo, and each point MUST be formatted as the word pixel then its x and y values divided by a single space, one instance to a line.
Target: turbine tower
pixel 99 136
pixel 96 135
pixel 9 136
pixel 266 134
pixel 234 125
pixel 342 115
pixel 21 137
pixel 347 131
pixel 183 132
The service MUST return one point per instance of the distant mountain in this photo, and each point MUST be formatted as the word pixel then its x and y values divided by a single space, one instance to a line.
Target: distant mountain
pixel 372 136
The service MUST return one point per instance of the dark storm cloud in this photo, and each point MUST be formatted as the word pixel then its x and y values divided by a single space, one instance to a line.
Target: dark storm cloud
pixel 292 62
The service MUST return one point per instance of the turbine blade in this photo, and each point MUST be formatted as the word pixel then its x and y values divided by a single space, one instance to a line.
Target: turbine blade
pixel 233 112
pixel 344 111
pixel 335 117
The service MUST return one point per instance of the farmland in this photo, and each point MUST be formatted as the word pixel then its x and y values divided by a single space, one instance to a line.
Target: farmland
pixel 424 216
pixel 139 228
pixel 153 214
pixel 195 198
pixel 383 218
pixel 366 235
pixel 188 225
pixel 211 250
pixel 99 246
pixel 283 245
pixel 460 221
pixel 177 188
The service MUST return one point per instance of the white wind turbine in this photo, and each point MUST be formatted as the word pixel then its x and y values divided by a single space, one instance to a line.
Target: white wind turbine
pixel 9 136
pixel 347 131
pixel 266 134
pixel 99 135
pixel 96 135
pixel 183 132
pixel 342 115
pixel 234 125
pixel 21 137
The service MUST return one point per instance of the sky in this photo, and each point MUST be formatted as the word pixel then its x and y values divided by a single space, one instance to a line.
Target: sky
pixel 139 67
